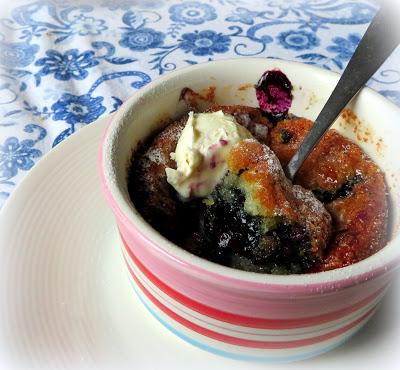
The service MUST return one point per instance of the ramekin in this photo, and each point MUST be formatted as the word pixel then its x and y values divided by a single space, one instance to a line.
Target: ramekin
pixel 234 313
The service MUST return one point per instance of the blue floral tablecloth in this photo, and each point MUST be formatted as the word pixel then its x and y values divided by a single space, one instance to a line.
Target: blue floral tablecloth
pixel 64 64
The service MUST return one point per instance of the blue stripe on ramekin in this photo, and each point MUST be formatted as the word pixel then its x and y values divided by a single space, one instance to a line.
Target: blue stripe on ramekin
pixel 272 360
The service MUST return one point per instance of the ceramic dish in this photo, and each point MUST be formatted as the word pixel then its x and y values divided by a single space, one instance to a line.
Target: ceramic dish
pixel 234 313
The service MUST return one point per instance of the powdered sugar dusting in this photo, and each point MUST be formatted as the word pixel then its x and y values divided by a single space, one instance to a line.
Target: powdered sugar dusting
pixel 260 130
pixel 152 163
pixel 307 197
pixel 317 219
pixel 155 155
pixel 274 192
pixel 268 156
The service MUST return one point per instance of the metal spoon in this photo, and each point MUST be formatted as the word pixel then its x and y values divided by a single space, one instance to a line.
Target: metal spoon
pixel 378 42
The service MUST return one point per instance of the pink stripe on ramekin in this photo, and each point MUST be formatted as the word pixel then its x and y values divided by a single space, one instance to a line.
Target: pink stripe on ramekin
pixel 243 331
pixel 247 342
pixel 241 320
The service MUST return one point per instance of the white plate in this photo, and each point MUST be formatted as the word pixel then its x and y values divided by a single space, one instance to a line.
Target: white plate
pixel 65 298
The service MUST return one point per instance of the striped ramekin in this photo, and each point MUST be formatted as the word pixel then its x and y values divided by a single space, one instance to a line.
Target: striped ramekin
pixel 229 312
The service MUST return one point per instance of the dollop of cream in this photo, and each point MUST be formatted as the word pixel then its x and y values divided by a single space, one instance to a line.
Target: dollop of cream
pixel 201 152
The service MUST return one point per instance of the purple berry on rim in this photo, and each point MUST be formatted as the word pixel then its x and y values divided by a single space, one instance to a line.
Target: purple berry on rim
pixel 274 94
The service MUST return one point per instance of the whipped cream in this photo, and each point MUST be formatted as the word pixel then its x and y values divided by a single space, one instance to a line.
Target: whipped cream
pixel 201 152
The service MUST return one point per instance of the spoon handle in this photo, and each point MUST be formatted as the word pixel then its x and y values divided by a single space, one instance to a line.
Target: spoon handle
pixel 379 41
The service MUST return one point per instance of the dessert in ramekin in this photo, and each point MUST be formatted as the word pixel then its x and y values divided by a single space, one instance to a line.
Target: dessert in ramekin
pixel 244 314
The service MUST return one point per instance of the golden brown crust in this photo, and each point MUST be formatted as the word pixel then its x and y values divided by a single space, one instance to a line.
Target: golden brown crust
pixel 263 177
pixel 360 219
pixel 252 158
pixel 361 223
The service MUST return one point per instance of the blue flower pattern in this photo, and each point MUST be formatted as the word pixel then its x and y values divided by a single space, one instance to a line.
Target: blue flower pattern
pixel 141 39
pixel 344 47
pixel 77 109
pixel 192 12
pixel 84 26
pixel 63 65
pixel 298 40
pixel 17 54
pixel 16 155
pixel 245 16
pixel 71 64
pixel 205 42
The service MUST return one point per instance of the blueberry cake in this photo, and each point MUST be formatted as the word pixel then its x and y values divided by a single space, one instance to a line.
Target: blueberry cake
pixel 212 183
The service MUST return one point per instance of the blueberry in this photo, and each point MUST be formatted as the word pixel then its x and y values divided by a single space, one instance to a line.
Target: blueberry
pixel 286 135
pixel 274 94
